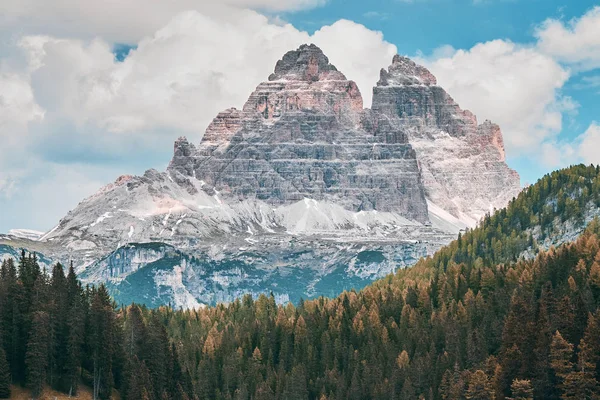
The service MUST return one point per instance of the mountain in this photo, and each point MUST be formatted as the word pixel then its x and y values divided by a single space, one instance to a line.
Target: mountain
pixel 483 318
pixel 462 163
pixel 26 234
pixel 302 192
pixel 499 313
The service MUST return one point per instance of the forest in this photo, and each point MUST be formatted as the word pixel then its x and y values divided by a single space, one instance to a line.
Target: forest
pixel 493 315
pixel 55 332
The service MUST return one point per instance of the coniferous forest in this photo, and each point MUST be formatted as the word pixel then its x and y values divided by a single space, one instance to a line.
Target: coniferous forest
pixel 482 319
pixel 55 332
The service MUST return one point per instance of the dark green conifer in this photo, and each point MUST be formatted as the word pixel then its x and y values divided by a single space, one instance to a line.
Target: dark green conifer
pixel 4 375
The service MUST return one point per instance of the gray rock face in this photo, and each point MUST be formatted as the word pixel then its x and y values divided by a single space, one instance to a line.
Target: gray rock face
pixel 308 63
pixel 301 192
pixel 462 163
pixel 304 134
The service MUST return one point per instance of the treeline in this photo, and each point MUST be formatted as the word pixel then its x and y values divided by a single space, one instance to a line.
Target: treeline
pixel 557 197
pixel 525 330
pixel 55 332
pixel 475 321
pixel 471 322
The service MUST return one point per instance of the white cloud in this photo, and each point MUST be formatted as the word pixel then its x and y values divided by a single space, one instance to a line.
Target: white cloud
pixel 17 106
pixel 7 185
pixel 589 144
pixel 120 20
pixel 575 42
pixel 377 15
pixel 515 86
pixel 588 82
pixel 183 75
pixel 357 51
pixel 102 112
pixel 582 149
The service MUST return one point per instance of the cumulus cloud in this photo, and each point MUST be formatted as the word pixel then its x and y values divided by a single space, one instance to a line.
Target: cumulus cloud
pixel 180 77
pixel 520 86
pixel 120 20
pixel 357 51
pixel 516 86
pixel 78 104
pixel 575 42
pixel 589 143
pixel 17 106
pixel 47 192
pixel 583 149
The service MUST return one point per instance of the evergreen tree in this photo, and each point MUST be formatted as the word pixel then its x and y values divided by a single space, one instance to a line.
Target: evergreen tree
pixel 4 376
pixel 38 353
pixel 157 354
pixel 480 388
pixel 75 326
pixel 561 352
pixel 140 385
pixel 58 327
pixel 296 384
pixel 100 341
pixel 521 390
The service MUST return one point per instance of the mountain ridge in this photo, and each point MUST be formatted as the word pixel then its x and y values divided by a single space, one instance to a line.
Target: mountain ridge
pixel 304 172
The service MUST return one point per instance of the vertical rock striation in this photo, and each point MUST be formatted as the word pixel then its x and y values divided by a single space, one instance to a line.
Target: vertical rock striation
pixel 302 192
pixel 462 163
pixel 304 134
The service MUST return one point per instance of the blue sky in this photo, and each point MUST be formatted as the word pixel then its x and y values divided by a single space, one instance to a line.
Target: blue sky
pixel 94 90
pixel 422 26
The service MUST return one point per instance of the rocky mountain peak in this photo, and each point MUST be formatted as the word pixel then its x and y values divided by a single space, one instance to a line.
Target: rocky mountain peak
pixel 182 147
pixel 491 133
pixel 301 177
pixel 307 63
pixel 405 71
pixel 462 162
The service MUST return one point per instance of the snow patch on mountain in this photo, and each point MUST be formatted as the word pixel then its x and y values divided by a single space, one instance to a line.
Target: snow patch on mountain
pixel 26 234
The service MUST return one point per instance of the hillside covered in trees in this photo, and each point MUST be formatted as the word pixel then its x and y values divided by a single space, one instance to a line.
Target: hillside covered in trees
pixel 481 319
pixel 55 332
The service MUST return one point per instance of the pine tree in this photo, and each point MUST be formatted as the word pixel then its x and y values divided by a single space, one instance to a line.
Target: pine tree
pixel 4 375
pixel 408 390
pixel 140 385
pixel 542 373
pixel 561 352
pixel 521 390
pixel 592 340
pixel 10 319
pixel 58 327
pixel 480 388
pixel 581 383
pixel 296 384
pixel 37 353
pixel 101 343
pixel 75 325
pixel 157 352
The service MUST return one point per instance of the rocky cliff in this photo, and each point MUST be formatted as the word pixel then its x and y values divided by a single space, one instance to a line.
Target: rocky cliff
pixel 304 134
pixel 462 163
pixel 302 192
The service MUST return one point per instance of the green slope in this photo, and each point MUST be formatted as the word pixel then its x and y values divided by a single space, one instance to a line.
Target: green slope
pixel 483 318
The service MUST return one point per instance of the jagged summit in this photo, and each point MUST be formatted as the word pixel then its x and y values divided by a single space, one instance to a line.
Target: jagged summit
pixel 405 71
pixel 307 63
pixel 301 136
pixel 462 163
pixel 301 177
